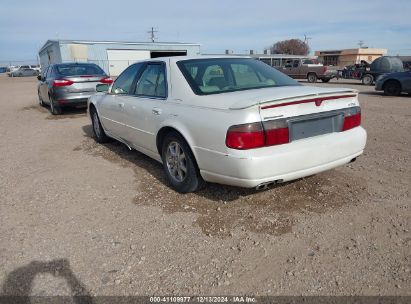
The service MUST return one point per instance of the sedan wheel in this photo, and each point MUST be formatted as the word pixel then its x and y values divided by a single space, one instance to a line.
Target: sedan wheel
pixel 176 162
pixel 55 110
pixel 180 165
pixel 98 130
pixel 41 102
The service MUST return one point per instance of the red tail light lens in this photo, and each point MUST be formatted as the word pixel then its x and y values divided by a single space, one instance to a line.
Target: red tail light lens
pixel 276 137
pixel 246 136
pixel 106 80
pixel 352 119
pixel 255 135
pixel 62 82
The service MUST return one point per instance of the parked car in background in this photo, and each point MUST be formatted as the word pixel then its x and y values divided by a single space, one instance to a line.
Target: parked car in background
pixel 393 84
pixel 380 66
pixel 306 69
pixel 21 72
pixel 13 68
pixel 69 84
pixel 228 120
pixel 3 69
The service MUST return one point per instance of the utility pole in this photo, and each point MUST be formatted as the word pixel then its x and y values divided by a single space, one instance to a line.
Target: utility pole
pixel 306 39
pixel 152 34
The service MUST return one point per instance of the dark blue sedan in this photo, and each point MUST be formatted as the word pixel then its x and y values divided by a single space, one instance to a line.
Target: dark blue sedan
pixel 393 84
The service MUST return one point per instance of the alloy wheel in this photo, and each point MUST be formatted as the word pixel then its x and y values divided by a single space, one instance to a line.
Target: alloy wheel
pixel 176 161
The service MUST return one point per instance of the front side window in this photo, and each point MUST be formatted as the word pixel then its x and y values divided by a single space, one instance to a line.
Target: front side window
pixel 221 75
pixel 123 83
pixel 152 81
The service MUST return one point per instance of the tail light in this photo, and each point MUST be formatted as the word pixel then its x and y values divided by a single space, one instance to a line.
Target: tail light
pixel 246 136
pixel 106 80
pixel 62 82
pixel 352 118
pixel 276 132
pixel 257 135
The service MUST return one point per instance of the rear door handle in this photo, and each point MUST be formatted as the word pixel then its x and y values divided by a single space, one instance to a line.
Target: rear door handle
pixel 156 111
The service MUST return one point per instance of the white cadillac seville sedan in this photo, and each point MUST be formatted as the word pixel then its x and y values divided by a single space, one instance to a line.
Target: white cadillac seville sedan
pixel 228 120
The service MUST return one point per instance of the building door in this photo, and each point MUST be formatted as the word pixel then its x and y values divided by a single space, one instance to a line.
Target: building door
pixel 119 60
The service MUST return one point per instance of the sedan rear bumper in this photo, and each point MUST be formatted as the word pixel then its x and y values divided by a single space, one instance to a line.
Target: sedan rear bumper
pixel 72 99
pixel 298 159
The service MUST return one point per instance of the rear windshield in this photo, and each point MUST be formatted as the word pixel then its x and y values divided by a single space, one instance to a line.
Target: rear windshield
pixel 213 76
pixel 79 69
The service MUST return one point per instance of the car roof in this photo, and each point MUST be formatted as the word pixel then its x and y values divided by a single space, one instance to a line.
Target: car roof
pixel 74 63
pixel 180 58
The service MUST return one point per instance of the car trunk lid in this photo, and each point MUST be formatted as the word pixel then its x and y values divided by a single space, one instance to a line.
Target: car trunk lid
pixel 84 83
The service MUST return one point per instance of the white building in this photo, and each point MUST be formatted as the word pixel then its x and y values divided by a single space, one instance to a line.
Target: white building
pixel 112 56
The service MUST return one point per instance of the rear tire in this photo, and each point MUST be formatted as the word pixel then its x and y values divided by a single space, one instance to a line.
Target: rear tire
pixel 367 79
pixel 325 80
pixel 98 131
pixel 392 88
pixel 180 165
pixel 311 77
pixel 54 109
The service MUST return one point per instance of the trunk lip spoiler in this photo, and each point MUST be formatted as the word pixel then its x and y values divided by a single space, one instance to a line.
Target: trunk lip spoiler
pixel 284 101
pixel 317 100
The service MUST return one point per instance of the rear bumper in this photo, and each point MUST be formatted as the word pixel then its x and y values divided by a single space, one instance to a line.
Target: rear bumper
pixel 285 162
pixel 71 99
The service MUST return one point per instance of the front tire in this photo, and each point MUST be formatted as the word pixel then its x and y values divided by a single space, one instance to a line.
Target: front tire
pixel 392 88
pixel 311 77
pixel 98 131
pixel 179 164
pixel 325 80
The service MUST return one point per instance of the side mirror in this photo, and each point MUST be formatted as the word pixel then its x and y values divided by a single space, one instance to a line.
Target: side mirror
pixel 102 87
pixel 39 77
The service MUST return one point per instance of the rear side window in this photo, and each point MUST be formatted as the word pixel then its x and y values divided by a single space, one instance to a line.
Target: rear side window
pixel 123 83
pixel 152 81
pixel 79 69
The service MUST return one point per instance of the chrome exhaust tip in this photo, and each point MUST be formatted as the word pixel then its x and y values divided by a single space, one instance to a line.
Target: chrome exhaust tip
pixel 265 186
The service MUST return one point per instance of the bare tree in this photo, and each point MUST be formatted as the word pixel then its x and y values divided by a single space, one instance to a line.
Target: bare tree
pixel 291 46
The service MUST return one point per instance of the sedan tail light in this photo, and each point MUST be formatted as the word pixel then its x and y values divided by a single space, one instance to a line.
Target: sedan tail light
pixel 106 80
pixel 247 136
pixel 276 132
pixel 352 119
pixel 62 82
pixel 257 135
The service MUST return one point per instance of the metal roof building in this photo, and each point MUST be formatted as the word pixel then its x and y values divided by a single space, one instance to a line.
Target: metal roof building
pixel 112 56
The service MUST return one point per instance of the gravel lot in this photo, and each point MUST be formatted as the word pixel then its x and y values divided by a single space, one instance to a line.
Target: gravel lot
pixel 82 218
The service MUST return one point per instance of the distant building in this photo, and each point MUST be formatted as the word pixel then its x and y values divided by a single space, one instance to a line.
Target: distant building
pixel 349 56
pixel 112 56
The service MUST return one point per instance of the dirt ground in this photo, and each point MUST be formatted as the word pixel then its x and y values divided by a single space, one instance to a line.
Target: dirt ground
pixel 77 217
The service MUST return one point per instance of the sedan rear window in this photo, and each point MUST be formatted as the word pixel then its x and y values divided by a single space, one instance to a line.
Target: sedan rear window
pixel 220 75
pixel 79 69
